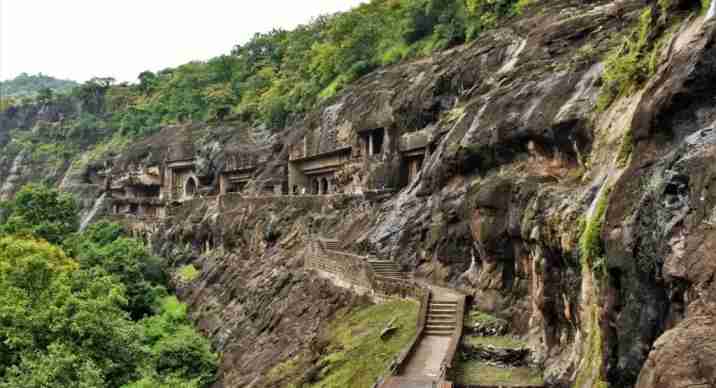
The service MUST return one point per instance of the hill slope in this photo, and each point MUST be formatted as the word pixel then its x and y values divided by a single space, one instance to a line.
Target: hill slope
pixel 26 85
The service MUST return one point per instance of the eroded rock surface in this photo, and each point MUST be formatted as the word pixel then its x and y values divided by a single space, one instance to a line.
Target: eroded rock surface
pixel 518 163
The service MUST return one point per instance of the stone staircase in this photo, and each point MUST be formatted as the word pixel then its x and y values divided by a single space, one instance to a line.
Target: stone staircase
pixel 333 245
pixel 442 318
pixel 387 269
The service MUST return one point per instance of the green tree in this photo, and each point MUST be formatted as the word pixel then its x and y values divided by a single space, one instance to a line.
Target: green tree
pixel 52 310
pixel 128 260
pixel 44 95
pixel 59 366
pixel 177 351
pixel 42 212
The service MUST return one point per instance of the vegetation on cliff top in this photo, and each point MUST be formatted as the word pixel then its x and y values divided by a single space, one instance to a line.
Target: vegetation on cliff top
pixel 90 310
pixel 38 85
pixel 283 73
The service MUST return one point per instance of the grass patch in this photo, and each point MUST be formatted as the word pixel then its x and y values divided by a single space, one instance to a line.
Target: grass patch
pixel 499 341
pixel 591 246
pixel 478 372
pixel 356 356
pixel 625 149
pixel 455 114
pixel 475 317
pixel 626 66
pixel 629 65
pixel 290 367
pixel 521 5
pixel 188 273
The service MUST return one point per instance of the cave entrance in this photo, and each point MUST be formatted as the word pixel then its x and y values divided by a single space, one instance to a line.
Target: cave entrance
pixel 190 189
pixel 374 141
pixel 324 186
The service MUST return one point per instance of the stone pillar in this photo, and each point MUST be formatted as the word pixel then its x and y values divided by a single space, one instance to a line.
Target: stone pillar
pixel 370 144
pixel 222 184
pixel 169 189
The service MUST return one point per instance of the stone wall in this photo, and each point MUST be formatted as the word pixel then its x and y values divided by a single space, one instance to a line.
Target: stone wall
pixel 349 271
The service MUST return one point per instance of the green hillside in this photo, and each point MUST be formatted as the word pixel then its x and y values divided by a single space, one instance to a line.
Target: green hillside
pixel 26 85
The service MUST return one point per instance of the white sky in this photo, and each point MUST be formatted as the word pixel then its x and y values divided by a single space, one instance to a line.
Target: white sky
pixel 81 39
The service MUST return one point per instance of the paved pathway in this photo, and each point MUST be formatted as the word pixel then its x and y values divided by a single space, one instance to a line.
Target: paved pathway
pixel 432 349
pixel 428 357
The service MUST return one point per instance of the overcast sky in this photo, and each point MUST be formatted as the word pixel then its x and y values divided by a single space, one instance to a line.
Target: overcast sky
pixel 81 39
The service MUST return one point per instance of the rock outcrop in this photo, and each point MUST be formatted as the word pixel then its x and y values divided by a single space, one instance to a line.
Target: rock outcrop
pixel 593 233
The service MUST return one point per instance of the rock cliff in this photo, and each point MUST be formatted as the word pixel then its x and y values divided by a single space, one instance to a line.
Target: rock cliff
pixel 589 226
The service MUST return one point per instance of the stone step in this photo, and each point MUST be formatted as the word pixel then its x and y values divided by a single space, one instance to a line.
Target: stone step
pixel 440 324
pixel 444 305
pixel 444 302
pixel 332 244
pixel 442 315
pixel 442 309
pixel 438 333
pixel 441 319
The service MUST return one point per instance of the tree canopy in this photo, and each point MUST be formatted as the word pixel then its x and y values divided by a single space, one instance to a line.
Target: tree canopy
pixel 279 75
pixel 88 309
pixel 26 85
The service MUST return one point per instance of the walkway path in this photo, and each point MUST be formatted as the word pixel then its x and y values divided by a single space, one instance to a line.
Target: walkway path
pixel 427 359
pixel 435 348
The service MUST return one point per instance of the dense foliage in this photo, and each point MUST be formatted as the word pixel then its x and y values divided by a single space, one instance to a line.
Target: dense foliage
pixel 40 212
pixel 280 74
pixel 90 310
pixel 26 85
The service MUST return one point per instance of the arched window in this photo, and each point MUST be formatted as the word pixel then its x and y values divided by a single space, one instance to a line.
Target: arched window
pixel 190 188
pixel 324 186
pixel 316 187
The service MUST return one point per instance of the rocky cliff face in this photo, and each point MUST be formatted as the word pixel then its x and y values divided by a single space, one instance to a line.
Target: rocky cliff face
pixel 590 229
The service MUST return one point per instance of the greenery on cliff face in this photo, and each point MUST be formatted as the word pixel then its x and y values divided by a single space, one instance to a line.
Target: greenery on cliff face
pixel 25 85
pixel 283 73
pixel 89 309
pixel 351 354
pixel 637 56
